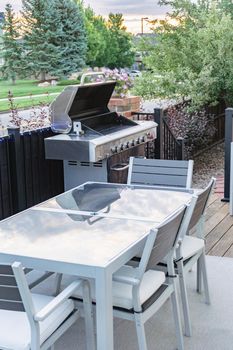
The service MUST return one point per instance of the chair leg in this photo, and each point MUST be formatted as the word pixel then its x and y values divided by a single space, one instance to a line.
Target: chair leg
pixel 199 277
pixel 58 280
pixel 205 278
pixel 177 320
pixel 184 299
pixel 141 335
pixel 88 316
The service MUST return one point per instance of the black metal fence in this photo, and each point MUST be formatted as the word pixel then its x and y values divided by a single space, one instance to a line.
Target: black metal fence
pixel 27 178
pixel 219 123
pixel 166 145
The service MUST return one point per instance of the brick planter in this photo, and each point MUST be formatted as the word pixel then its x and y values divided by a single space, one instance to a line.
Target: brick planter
pixel 125 105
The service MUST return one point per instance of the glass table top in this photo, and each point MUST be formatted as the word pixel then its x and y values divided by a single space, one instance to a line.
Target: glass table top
pixel 88 225
pixel 69 238
pixel 119 201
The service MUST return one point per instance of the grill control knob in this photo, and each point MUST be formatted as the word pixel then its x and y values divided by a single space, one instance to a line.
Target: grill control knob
pixel 138 140
pixel 114 149
pixel 132 143
pixel 119 149
pixel 142 138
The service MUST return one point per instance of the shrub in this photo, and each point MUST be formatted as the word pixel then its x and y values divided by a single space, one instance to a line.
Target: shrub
pixel 39 116
pixel 197 128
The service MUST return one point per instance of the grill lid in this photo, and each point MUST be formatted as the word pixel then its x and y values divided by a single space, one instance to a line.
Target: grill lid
pixel 78 102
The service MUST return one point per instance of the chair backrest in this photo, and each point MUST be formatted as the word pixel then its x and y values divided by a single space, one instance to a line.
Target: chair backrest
pixel 162 241
pixel 10 298
pixel 175 173
pixel 201 203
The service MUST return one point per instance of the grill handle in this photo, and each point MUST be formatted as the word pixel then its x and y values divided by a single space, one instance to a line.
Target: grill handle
pixel 83 77
pixel 119 167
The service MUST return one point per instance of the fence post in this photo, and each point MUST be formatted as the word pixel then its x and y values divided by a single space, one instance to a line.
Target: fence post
pixel 228 140
pixel 17 171
pixel 180 153
pixel 158 118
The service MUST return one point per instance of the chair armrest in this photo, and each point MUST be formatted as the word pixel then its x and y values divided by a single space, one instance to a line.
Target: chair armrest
pixel 127 280
pixel 57 301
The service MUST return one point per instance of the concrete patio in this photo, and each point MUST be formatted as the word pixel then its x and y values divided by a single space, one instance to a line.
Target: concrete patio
pixel 212 324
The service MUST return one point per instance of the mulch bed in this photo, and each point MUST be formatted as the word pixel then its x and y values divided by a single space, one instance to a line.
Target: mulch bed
pixel 207 164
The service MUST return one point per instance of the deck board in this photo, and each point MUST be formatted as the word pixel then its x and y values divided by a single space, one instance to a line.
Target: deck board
pixel 216 217
pixel 218 228
pixel 218 232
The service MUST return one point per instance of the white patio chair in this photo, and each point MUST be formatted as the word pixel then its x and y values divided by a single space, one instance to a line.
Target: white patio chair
pixel 159 172
pixel 33 321
pixel 138 292
pixel 191 250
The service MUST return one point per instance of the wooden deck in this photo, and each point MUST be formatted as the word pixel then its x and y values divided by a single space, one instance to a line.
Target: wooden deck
pixel 218 228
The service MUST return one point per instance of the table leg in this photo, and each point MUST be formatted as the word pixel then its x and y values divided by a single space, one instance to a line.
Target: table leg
pixel 104 314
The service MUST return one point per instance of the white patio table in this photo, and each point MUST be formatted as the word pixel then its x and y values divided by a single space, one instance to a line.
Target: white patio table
pixel 89 231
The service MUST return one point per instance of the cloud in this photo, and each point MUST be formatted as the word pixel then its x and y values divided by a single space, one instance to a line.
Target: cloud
pixel 15 3
pixel 132 10
pixel 128 7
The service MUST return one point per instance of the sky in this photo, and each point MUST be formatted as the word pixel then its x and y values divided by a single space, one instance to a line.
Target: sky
pixel 133 10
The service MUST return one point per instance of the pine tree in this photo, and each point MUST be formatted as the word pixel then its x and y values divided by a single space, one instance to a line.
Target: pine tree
pixel 73 40
pixel 41 27
pixel 55 39
pixel 12 51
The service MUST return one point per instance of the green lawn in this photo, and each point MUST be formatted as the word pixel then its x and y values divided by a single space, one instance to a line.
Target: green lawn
pixel 29 88
pixel 25 88
pixel 27 102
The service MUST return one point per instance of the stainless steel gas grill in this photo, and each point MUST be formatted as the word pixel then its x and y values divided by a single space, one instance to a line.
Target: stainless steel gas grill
pixel 93 142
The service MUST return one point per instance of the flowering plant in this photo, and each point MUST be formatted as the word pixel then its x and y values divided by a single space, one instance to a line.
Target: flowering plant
pixel 123 81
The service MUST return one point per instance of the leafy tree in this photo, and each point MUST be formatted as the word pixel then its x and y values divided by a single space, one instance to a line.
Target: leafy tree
pixel 104 53
pixel 54 37
pixel 193 57
pixel 121 53
pixel 97 39
pixel 12 51
pixel 116 22
pixel 109 45
pixel 227 6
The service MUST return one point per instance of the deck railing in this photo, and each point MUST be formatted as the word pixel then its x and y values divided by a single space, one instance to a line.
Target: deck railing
pixel 166 145
pixel 219 123
pixel 228 141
